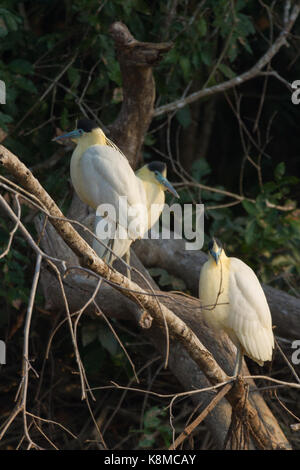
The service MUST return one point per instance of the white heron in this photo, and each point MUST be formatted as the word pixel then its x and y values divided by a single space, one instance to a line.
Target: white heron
pixel 233 300
pixel 101 175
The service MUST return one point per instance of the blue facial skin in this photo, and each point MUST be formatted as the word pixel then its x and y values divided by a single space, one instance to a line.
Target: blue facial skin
pixel 162 180
pixel 216 254
pixel 69 135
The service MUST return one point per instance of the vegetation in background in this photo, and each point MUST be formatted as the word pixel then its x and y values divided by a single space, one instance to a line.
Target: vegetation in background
pixel 213 41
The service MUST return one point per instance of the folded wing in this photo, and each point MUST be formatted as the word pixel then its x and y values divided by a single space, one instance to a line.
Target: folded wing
pixel 249 313
pixel 120 188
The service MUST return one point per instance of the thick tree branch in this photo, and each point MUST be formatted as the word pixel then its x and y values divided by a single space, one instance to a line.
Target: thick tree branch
pixel 78 292
pixel 136 61
pixel 179 331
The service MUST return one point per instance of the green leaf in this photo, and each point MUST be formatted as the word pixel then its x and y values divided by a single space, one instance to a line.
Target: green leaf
pixel 147 441
pixel 114 72
pixel 166 279
pixel 152 418
pixel 279 171
pixel 74 77
pixel 250 207
pixel 206 56
pixel 3 30
pixel 201 27
pixel 250 233
pixel 183 116
pixel 5 118
pixel 88 334
pixel 107 340
pixel 227 71
pixel 200 168
pixel 26 84
pixel 64 119
pixel 149 139
pixel 21 66
pixel 11 20
pixel 185 66
pixel 142 7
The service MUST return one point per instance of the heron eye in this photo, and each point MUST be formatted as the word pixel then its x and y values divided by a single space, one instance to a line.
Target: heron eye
pixel 80 131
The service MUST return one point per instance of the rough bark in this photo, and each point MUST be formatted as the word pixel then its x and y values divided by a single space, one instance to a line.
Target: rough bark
pixel 79 289
pixel 136 61
pixel 179 332
pixel 189 359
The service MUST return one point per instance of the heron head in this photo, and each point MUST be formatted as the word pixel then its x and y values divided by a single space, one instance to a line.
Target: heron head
pixel 215 249
pixel 158 170
pixel 85 129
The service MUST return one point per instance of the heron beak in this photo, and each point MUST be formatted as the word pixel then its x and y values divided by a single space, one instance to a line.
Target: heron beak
pixel 69 135
pixel 162 180
pixel 216 254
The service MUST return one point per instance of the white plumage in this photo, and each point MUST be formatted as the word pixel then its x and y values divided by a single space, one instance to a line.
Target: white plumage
pixel 233 300
pixel 101 175
pixel 149 200
pixel 96 184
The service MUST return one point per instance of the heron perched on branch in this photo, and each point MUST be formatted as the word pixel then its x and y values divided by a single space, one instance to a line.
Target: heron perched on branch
pixel 103 179
pixel 233 301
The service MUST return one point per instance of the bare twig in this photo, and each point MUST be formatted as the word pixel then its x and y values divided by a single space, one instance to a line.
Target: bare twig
pixel 236 81
pixel 161 314
pixel 190 428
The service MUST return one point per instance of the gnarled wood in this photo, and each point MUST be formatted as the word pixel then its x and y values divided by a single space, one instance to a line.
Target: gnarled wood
pixel 136 61
pixel 161 314
pixel 79 289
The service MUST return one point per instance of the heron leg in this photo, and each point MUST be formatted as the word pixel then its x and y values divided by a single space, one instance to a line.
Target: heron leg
pixel 238 362
pixel 127 260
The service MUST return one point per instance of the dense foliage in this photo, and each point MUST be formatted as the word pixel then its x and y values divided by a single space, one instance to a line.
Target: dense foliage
pixel 59 62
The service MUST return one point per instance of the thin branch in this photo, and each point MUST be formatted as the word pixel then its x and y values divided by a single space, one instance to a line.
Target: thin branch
pixel 13 231
pixel 236 81
pixel 189 429
pixel 161 314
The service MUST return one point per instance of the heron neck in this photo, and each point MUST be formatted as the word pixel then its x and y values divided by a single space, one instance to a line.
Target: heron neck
pixel 96 137
pixel 223 259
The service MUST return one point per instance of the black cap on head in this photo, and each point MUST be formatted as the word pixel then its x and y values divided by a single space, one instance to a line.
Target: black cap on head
pixel 157 166
pixel 211 243
pixel 86 125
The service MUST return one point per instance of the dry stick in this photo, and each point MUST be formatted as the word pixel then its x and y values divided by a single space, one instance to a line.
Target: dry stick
pixel 286 408
pixel 13 231
pixel 21 405
pixel 189 429
pixel 292 369
pixel 56 79
pixel 26 363
pixel 25 232
pixel 178 329
pixel 118 340
pixel 233 195
pixel 83 378
pixel 45 435
pixel 253 72
pixel 52 422
pixel 18 193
